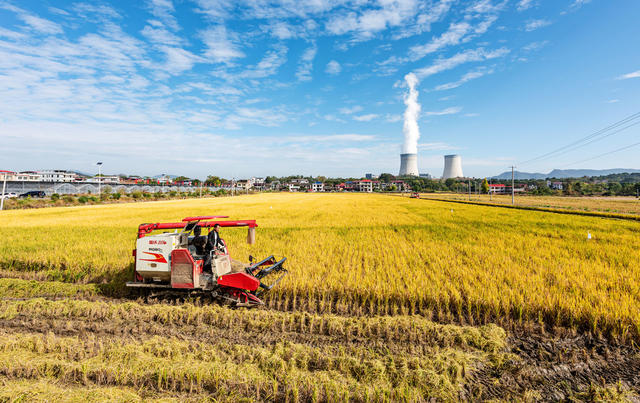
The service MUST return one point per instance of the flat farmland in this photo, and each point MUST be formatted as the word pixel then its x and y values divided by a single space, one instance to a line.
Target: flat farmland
pixel 388 298
pixel 601 204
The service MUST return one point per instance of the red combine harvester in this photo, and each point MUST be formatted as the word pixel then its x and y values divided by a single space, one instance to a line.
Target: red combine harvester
pixel 415 195
pixel 172 263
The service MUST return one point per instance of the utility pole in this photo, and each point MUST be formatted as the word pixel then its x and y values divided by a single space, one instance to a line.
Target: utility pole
pixel 469 189
pixel 513 190
pixel 490 198
pixel 4 187
pixel 99 164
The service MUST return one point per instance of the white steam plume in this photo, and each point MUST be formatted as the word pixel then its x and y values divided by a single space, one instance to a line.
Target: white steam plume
pixel 410 129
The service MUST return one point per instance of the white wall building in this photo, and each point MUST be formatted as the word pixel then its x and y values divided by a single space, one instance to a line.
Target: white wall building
pixel 365 186
pixel 318 187
pixel 57 176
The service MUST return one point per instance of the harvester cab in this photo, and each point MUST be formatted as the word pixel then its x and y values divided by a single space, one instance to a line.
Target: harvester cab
pixel 169 263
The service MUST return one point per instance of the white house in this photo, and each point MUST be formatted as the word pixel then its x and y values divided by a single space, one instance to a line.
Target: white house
pixel 365 185
pixel 317 187
pixel 57 176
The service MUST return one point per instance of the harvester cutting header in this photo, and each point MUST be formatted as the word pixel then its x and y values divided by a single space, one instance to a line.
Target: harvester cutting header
pixel 186 261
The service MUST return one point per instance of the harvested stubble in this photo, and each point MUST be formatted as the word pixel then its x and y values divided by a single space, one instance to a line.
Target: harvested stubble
pixel 374 254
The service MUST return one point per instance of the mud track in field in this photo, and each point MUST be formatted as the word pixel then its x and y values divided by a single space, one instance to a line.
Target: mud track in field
pixel 560 367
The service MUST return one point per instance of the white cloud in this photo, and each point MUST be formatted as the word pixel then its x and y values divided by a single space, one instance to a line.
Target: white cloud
pixel 372 20
pixel 34 22
pixel 532 25
pixel 221 45
pixel 333 68
pixel 365 118
pixel 471 55
pixel 635 74
pixel 268 65
pixel 163 9
pixel 332 138
pixel 438 146
pixel 525 4
pixel 306 63
pixel 448 111
pixel 535 46
pixel 472 75
pixel 486 7
pixel 578 4
pixel 424 19
pixel 41 25
pixel 351 111
pixel 160 35
pixel 452 36
pixel 613 101
pixel 179 60
pixel 391 118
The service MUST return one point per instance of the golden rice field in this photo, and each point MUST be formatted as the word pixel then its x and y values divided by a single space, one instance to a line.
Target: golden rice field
pixel 603 204
pixel 372 254
pixel 388 299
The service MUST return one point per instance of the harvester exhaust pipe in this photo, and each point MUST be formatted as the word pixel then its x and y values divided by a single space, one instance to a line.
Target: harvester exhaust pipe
pixel 251 236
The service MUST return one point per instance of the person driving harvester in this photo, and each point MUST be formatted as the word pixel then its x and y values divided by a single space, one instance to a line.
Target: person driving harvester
pixel 214 242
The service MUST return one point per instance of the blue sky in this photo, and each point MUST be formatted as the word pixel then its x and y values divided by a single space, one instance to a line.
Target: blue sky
pixel 242 88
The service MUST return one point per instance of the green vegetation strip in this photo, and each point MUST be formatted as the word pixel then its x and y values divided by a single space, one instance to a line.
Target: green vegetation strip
pixel 631 217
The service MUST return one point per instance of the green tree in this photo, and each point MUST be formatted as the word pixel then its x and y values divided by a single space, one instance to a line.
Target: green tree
pixel 450 183
pixel 485 186
pixel 213 181
pixel 386 178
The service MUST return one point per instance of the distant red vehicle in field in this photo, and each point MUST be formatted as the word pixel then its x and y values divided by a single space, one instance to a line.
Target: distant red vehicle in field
pixel 415 195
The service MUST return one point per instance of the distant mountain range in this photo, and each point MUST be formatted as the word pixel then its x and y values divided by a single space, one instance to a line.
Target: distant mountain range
pixel 565 173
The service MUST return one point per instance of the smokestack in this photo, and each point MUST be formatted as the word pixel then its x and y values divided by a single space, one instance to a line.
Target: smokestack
pixel 408 164
pixel 452 167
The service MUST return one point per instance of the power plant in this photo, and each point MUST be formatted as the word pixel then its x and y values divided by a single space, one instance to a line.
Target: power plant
pixel 452 167
pixel 409 165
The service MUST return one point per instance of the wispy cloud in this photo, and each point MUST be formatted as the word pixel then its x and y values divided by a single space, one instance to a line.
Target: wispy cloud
pixel 635 74
pixel 34 22
pixel 471 55
pixel 472 75
pixel 452 36
pixel 365 118
pixel 447 111
pixel 533 46
pixel 333 68
pixel 221 46
pixel 532 25
pixel 365 23
pixel 438 146
pixel 306 63
pixel 351 110
pixel 525 4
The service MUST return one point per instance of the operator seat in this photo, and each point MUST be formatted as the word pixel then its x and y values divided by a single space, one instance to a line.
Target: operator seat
pixel 198 243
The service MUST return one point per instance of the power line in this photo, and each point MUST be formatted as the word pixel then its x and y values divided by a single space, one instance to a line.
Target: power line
pixel 595 136
pixel 607 153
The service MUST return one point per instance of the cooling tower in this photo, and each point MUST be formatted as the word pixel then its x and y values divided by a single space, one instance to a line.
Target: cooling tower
pixel 408 164
pixel 452 167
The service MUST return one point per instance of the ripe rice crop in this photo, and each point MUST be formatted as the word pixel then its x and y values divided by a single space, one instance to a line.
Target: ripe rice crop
pixel 602 204
pixel 372 254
